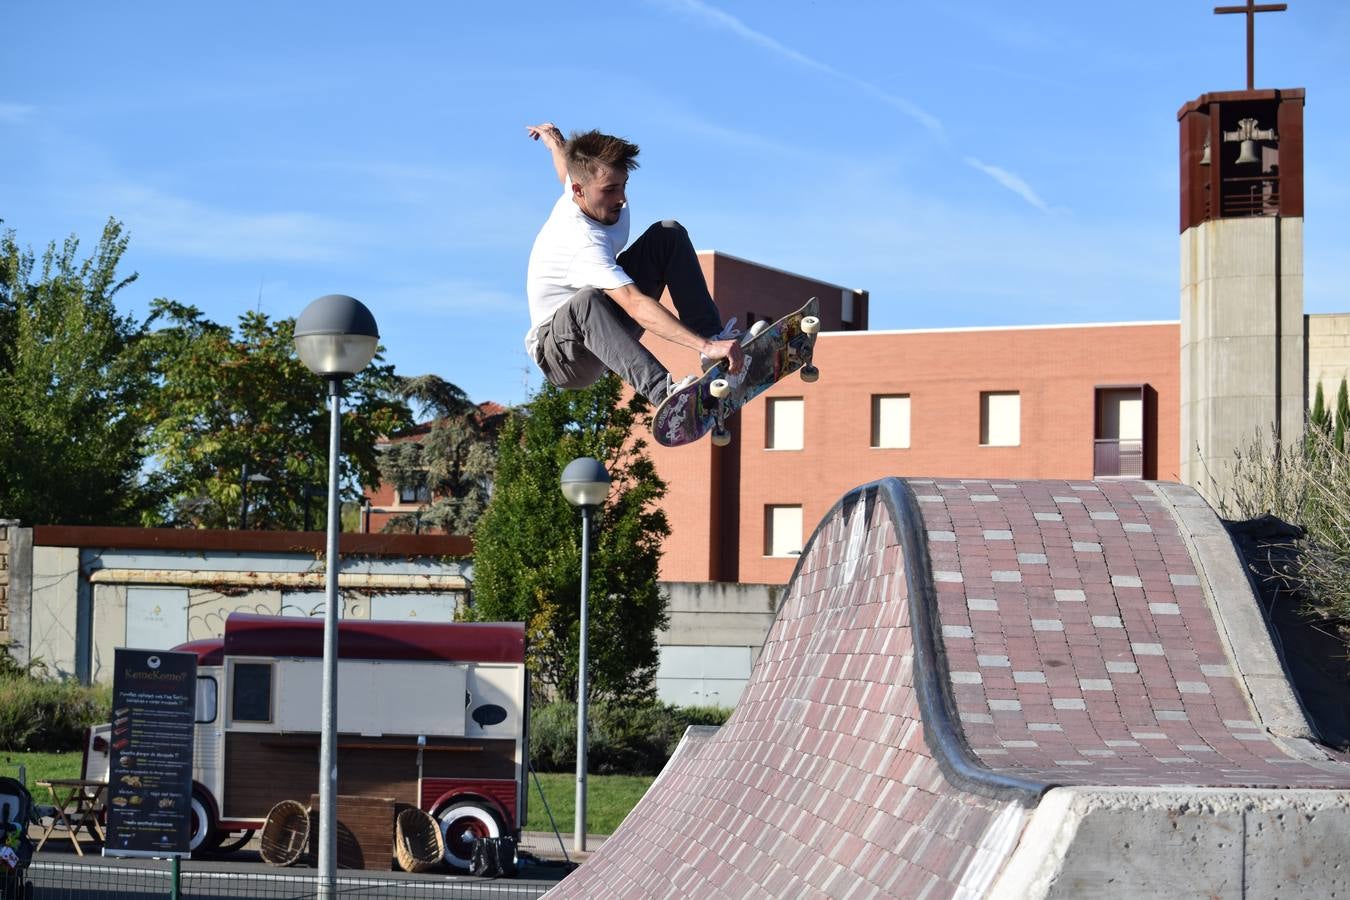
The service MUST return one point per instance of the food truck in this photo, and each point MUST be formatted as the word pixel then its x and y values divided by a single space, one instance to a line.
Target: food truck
pixel 432 714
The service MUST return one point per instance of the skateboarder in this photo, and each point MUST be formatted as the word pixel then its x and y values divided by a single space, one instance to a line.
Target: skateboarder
pixel 591 300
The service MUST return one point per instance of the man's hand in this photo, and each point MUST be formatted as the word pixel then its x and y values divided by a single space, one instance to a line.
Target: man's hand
pixel 548 133
pixel 555 142
pixel 729 350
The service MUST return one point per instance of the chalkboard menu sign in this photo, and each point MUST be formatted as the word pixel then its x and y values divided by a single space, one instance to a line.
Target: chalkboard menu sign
pixel 150 776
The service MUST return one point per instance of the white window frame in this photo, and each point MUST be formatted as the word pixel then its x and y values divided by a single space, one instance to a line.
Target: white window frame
pixel 773 546
pixel 785 423
pixel 988 423
pixel 878 433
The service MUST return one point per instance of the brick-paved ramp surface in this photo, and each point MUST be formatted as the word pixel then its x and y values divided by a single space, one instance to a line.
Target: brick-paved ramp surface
pixel 975 688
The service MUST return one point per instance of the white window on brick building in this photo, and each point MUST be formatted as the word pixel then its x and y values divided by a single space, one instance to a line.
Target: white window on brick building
pixel 1000 418
pixel 782 530
pixel 784 424
pixel 890 421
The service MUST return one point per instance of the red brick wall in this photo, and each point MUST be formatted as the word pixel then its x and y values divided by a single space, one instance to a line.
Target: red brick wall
pixel 743 288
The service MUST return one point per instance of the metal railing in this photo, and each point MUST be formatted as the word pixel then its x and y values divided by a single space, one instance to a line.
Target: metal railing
pixel 1251 195
pixel 1113 458
pixel 119 879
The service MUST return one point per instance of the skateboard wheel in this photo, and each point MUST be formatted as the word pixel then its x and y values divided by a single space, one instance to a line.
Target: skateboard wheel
pixel 810 374
pixel 719 388
pixel 721 437
pixel 755 330
pixel 810 325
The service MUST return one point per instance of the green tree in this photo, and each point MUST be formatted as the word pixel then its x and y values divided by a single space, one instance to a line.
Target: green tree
pixel 227 400
pixel 1342 417
pixel 527 548
pixel 1320 418
pixel 453 460
pixel 71 441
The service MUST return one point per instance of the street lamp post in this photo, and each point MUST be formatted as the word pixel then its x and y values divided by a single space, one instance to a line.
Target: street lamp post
pixel 245 476
pixel 585 483
pixel 335 337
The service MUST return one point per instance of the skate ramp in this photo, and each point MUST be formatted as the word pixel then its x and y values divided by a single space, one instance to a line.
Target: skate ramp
pixel 1005 689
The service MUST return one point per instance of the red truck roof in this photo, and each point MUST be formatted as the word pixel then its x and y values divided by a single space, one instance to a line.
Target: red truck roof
pixel 248 634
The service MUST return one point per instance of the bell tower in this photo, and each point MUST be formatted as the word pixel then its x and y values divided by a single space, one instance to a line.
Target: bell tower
pixel 1242 344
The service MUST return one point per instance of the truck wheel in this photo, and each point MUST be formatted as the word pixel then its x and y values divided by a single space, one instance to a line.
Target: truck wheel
pixel 203 834
pixel 462 823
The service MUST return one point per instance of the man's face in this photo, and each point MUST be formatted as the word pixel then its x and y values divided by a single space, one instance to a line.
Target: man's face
pixel 602 195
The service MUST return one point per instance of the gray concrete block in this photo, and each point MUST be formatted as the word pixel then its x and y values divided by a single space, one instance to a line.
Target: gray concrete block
pixel 1109 843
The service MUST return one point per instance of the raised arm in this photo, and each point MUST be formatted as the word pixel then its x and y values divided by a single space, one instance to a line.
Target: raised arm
pixel 554 141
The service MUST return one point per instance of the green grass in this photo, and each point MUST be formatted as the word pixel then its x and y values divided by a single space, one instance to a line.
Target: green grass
pixel 41 767
pixel 608 800
pixel 608 797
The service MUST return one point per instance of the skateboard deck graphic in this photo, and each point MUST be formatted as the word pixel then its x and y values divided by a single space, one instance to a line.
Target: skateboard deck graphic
pixel 770 356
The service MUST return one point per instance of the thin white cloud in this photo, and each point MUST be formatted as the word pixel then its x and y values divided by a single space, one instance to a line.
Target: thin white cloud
pixel 713 17
pixel 184 227
pixel 15 113
pixel 723 21
pixel 1012 182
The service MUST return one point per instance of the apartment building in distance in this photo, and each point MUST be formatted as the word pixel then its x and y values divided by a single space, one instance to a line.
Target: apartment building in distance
pixel 1073 401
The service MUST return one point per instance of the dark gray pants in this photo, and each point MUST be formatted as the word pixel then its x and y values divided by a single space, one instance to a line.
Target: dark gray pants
pixel 591 334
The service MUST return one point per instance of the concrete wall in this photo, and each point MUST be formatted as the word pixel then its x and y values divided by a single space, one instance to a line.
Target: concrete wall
pixel 55 609
pixel 1231 391
pixel 715 634
pixel 1124 843
pixel 1328 354
pixel 87 601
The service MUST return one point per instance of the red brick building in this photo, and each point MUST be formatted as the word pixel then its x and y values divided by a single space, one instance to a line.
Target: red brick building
pixel 1041 402
pixel 1034 402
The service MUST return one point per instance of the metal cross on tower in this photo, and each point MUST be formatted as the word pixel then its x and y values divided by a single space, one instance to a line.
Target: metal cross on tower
pixel 1251 9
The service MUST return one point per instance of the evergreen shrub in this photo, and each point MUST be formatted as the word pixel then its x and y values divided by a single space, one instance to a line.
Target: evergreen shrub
pixel 46 715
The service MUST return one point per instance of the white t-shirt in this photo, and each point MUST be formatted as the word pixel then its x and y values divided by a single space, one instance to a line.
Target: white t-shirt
pixel 572 251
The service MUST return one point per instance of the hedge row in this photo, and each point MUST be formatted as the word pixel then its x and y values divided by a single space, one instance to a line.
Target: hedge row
pixel 48 716
pixel 624 739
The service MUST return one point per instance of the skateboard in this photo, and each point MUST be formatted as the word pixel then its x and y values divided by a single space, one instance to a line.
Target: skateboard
pixel 772 352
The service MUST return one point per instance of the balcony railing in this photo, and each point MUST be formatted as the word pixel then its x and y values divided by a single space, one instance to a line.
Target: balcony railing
pixel 1113 458
pixel 1251 195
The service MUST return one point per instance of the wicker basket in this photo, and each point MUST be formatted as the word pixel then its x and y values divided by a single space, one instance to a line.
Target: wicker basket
pixel 285 835
pixel 418 843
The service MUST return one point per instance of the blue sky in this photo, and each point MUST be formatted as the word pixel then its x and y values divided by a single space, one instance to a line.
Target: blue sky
pixel 973 163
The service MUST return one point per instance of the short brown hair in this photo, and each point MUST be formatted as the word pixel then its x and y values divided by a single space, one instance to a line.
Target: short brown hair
pixel 588 151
